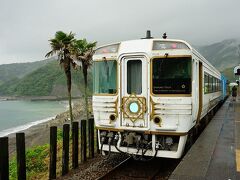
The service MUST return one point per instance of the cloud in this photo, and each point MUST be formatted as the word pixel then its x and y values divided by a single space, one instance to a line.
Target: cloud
pixel 27 25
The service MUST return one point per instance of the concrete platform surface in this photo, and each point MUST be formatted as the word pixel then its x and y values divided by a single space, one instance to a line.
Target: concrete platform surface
pixel 216 153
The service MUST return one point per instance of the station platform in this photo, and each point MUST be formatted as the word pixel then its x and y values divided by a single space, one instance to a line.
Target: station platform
pixel 216 153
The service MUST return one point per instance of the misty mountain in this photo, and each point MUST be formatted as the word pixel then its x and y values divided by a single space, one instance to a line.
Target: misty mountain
pixel 46 78
pixel 222 55
pixel 9 72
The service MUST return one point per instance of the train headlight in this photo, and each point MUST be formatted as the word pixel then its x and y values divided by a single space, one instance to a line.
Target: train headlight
pixel 157 120
pixel 134 107
pixel 113 117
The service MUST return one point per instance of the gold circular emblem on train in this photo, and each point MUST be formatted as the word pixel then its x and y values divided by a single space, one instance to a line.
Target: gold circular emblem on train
pixel 133 107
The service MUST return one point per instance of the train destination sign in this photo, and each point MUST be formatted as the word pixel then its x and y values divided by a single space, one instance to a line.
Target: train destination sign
pixel 107 49
pixel 161 45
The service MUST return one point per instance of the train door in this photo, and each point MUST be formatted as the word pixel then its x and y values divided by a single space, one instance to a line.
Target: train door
pixel 134 92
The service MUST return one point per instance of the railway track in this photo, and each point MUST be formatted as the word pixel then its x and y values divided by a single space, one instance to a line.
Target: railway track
pixel 158 168
pixel 115 169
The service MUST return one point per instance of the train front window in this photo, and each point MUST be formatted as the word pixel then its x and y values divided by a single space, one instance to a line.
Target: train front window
pixel 104 77
pixel 171 75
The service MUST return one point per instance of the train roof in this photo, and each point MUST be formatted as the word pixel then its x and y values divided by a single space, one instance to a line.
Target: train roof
pixel 142 44
pixel 147 46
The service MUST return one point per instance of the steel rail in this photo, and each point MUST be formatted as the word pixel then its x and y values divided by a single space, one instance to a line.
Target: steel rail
pixel 119 166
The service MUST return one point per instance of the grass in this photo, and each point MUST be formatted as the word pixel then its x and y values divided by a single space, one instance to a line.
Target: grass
pixel 37 160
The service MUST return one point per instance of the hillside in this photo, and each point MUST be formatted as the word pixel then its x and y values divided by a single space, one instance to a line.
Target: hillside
pixel 228 72
pixel 47 80
pixel 223 55
pixel 13 71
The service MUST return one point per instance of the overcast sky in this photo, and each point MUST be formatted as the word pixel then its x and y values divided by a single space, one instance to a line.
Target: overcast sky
pixel 27 25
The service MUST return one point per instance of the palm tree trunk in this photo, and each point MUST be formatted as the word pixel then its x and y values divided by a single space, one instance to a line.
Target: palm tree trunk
pixel 67 70
pixel 85 90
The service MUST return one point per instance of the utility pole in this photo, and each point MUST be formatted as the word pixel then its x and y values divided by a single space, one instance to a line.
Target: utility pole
pixel 237 70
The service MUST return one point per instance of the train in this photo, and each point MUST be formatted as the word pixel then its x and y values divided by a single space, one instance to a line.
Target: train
pixel 151 94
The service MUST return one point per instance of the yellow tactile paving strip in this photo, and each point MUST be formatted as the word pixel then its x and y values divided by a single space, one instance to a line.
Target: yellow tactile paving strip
pixel 237 133
pixel 238 159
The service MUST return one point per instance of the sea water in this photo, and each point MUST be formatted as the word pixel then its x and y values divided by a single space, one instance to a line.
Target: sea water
pixel 19 115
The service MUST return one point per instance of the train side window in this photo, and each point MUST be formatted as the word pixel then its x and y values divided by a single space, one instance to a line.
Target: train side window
pixel 205 83
pixel 210 83
pixel 214 84
pixel 220 85
pixel 220 82
pixel 134 77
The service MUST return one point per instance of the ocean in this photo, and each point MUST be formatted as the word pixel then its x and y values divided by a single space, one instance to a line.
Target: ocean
pixel 19 115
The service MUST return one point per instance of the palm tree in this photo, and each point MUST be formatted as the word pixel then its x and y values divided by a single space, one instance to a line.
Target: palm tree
pixel 83 52
pixel 61 45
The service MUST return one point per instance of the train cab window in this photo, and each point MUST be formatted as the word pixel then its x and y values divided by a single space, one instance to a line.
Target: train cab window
pixel 171 75
pixel 134 77
pixel 105 73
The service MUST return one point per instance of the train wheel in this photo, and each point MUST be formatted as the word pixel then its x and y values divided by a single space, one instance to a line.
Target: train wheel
pixel 195 134
pixel 189 142
pixel 207 119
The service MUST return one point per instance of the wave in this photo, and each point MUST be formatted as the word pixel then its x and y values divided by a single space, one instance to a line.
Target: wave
pixel 6 132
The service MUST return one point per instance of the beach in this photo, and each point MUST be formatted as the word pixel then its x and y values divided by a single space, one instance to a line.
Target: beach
pixel 39 134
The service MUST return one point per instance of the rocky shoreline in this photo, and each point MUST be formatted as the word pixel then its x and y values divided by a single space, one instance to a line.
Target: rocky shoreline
pixel 39 134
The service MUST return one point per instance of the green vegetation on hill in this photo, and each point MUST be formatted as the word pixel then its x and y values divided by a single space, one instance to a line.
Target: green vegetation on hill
pixel 19 70
pixel 47 80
